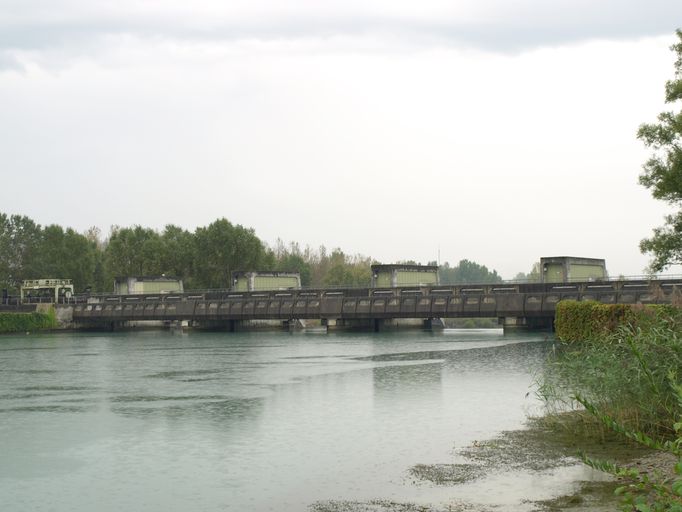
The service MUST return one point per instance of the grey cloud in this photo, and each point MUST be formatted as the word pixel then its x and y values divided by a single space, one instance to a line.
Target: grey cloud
pixel 9 62
pixel 497 28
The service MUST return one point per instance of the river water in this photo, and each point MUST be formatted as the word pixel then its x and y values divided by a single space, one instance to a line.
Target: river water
pixel 161 421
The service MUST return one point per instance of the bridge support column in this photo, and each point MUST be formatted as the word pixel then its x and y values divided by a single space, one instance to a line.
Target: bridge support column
pixel 523 323
pixel 435 324
pixel 350 324
pixel 294 324
pixel 331 323
pixel 115 325
pixel 177 325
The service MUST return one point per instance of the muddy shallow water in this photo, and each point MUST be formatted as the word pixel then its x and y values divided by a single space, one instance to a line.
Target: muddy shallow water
pixel 404 421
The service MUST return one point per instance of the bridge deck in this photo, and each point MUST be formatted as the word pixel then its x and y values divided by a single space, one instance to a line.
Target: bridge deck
pixel 490 300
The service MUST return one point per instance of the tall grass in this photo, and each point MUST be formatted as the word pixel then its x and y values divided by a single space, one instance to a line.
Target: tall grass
pixel 628 381
pixel 629 374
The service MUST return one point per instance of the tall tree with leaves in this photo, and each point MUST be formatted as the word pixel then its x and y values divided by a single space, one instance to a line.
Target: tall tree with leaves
pixel 133 251
pixel 19 250
pixel 221 248
pixel 66 254
pixel 467 272
pixel 663 171
pixel 177 252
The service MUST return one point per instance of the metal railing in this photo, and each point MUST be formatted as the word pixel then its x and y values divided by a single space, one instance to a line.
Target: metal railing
pixel 225 292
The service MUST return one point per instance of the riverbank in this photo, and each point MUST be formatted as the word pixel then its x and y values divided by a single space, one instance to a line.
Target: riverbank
pixel 11 322
pixel 547 449
pixel 620 365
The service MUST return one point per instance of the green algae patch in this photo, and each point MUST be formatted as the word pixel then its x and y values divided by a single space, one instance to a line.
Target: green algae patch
pixel 389 506
pixel 446 474
pixel 548 443
pixel 589 497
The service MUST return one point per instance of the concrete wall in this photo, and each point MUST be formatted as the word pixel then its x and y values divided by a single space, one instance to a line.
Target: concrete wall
pixel 275 282
pixel 403 277
pixel 254 281
pixel 242 284
pixel 409 278
pixel 585 272
pixel 157 286
pixel 554 273
pixel 384 279
pixel 132 285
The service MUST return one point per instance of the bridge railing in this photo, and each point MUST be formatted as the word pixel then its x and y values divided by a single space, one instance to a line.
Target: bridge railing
pixel 637 277
pixel 464 288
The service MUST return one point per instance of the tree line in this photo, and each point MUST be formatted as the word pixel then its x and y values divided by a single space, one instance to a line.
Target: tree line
pixel 203 258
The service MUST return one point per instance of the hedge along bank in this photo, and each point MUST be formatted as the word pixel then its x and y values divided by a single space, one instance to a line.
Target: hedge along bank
pixel 588 320
pixel 23 322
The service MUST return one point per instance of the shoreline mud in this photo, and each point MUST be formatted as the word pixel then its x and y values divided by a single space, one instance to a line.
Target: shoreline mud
pixel 547 446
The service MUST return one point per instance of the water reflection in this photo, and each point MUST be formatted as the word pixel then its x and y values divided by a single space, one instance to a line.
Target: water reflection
pixel 228 413
pixel 412 381
pixel 247 421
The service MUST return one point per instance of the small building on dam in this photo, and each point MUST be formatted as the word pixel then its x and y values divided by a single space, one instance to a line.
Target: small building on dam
pixel 566 269
pixel 265 280
pixel 392 276
pixel 147 284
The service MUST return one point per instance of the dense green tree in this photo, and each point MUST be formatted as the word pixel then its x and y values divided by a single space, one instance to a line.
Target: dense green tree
pixel 19 246
pixel 177 252
pixel 467 272
pixel 295 263
pixel 344 270
pixel 663 171
pixel 133 251
pixel 319 266
pixel 222 248
pixel 101 281
pixel 203 259
pixel 66 254
pixel 5 244
pixel 291 259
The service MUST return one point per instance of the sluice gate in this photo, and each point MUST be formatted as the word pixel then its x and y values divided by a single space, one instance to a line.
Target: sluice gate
pixel 503 300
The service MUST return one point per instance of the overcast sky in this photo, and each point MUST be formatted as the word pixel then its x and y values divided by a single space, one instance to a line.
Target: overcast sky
pixel 497 131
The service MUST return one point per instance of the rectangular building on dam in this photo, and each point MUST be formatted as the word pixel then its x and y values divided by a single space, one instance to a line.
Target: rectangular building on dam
pixel 390 276
pixel 147 284
pixel 563 269
pixel 265 280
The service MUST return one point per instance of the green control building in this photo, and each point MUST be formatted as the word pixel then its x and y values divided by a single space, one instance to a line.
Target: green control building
pixel 564 269
pixel 147 284
pixel 265 280
pixel 390 276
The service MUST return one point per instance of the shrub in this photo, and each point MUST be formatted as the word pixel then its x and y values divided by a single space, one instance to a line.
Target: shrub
pixel 588 320
pixel 22 322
